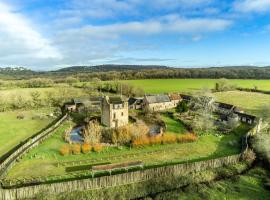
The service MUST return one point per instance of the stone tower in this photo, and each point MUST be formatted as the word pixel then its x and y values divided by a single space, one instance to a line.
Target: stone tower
pixel 114 112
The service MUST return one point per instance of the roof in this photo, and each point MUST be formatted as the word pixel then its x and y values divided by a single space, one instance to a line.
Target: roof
pixel 245 115
pixel 185 97
pixel 175 96
pixel 115 100
pixel 157 99
pixel 225 105
pixel 133 100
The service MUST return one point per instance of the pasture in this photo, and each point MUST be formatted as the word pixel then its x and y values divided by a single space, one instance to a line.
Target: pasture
pixel 250 102
pixel 188 85
pixel 13 130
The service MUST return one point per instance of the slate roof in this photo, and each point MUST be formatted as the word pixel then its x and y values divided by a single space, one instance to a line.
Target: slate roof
pixel 225 105
pixel 115 100
pixel 157 99
pixel 133 100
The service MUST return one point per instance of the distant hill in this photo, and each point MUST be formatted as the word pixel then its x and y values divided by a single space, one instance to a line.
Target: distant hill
pixel 109 72
pixel 104 68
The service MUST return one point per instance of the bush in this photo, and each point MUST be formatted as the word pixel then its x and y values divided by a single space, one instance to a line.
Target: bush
pixel 140 142
pixel 169 138
pixel 76 149
pixel 64 150
pixel 86 148
pixel 249 155
pixel 97 148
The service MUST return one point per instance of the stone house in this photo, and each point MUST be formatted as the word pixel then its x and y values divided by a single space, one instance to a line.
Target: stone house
pixel 175 98
pixel 73 106
pixel 135 103
pixel 246 118
pixel 154 103
pixel 114 112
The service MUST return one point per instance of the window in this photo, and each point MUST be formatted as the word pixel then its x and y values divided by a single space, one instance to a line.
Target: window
pixel 122 114
pixel 114 115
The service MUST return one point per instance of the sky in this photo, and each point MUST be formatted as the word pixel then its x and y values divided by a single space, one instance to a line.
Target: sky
pixel 51 34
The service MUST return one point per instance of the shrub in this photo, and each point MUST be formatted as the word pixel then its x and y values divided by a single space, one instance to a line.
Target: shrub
pixel 169 138
pixel 249 156
pixel 76 149
pixel 97 148
pixel 86 148
pixel 122 135
pixel 64 150
pixel 155 140
pixel 140 142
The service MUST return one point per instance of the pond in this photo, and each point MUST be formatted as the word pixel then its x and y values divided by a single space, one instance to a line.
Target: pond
pixel 76 134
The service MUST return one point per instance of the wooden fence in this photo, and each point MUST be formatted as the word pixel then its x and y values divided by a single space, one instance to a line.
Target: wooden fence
pixel 25 147
pixel 117 180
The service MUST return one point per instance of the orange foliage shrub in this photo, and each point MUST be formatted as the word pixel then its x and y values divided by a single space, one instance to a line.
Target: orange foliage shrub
pixel 165 139
pixel 155 140
pixel 97 148
pixel 169 139
pixel 190 137
pixel 140 142
pixel 64 150
pixel 86 148
pixel 76 149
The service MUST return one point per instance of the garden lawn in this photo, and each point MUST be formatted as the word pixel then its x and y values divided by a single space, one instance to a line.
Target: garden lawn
pixel 13 130
pixel 173 126
pixel 189 85
pixel 45 159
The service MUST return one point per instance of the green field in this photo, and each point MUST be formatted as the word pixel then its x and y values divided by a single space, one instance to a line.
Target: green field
pixel 13 130
pixel 188 85
pixel 250 102
pixel 44 160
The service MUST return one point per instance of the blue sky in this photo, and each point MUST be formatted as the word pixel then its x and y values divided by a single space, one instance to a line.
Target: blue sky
pixel 50 34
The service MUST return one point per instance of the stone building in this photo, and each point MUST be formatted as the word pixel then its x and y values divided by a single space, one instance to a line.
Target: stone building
pixel 135 103
pixel 154 103
pixel 175 98
pixel 114 112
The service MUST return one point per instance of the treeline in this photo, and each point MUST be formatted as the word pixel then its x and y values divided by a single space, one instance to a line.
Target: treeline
pixel 126 72
pixel 164 73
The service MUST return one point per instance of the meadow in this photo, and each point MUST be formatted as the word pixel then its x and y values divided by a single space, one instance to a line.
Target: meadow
pixel 188 85
pixel 13 130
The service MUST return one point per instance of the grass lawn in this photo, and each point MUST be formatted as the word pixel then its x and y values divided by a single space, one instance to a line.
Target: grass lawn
pixel 42 160
pixel 13 130
pixel 173 125
pixel 188 85
pixel 248 101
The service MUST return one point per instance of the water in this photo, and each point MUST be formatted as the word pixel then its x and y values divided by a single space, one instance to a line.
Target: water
pixel 75 134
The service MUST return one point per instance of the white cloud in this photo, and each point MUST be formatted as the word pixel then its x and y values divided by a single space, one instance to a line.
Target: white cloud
pixel 252 5
pixel 19 37
pixel 168 24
